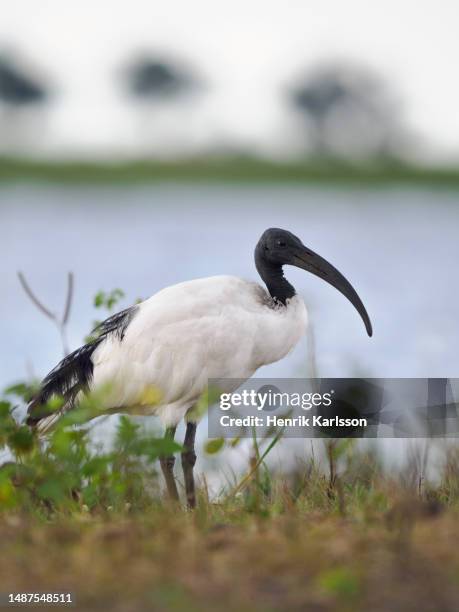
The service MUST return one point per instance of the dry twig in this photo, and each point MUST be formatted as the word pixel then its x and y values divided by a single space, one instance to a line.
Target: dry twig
pixel 60 322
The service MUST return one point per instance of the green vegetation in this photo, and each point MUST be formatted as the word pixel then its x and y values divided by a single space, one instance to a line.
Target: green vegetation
pixel 228 169
pixel 62 474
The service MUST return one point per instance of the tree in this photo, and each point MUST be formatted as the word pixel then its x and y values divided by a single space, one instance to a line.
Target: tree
pixel 152 79
pixel 161 90
pixel 21 96
pixel 17 88
pixel 348 112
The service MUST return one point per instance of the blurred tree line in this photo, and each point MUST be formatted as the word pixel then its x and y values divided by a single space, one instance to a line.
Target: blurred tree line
pixel 344 111
pixel 22 96
pixel 348 111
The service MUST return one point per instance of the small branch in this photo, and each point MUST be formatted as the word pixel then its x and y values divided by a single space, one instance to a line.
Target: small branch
pixel 68 302
pixel 63 332
pixel 34 299
pixel 61 324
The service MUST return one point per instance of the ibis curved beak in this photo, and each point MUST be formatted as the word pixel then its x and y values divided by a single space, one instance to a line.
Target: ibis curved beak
pixel 315 264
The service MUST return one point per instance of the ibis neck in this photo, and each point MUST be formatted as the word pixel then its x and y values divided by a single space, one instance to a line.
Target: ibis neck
pixel 278 286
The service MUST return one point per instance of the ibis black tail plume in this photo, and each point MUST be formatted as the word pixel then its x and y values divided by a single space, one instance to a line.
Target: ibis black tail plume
pixel 74 373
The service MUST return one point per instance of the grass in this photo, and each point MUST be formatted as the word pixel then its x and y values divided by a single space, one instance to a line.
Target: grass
pixel 228 170
pixel 337 534
pixel 224 558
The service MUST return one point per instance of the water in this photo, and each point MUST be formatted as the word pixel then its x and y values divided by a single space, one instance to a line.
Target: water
pixel 398 247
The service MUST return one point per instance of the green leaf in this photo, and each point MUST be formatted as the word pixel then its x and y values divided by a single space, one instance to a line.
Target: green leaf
pixel 8 497
pixel 51 489
pixel 214 446
pixel 114 297
pixel 21 440
pixel 5 409
pixel 99 299
pixel 55 403
pixel 157 447
pixel 96 466
pixel 108 300
pixel 126 431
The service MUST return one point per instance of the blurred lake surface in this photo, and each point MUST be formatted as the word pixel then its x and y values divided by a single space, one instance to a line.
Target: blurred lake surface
pixel 399 247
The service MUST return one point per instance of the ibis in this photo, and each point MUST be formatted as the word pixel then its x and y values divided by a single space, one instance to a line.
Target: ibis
pixel 156 357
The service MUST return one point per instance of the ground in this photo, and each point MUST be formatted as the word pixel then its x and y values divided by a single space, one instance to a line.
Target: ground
pixel 227 557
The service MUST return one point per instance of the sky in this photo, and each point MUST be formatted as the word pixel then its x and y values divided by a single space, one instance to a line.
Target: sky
pixel 246 53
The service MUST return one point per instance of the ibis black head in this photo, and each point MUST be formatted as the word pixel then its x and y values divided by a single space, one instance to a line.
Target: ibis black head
pixel 278 247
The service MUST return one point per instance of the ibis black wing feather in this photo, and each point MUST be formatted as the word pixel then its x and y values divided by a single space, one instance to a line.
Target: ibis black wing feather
pixel 74 373
pixel 117 324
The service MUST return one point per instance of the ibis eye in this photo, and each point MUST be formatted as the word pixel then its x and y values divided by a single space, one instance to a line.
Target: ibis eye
pixel 281 243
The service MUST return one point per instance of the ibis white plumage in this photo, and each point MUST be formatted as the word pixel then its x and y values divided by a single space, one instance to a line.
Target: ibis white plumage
pixel 157 357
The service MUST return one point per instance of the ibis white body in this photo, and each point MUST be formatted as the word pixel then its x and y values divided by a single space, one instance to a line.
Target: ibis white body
pixel 218 327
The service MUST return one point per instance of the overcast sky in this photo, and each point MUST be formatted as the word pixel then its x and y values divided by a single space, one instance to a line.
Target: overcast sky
pixel 246 51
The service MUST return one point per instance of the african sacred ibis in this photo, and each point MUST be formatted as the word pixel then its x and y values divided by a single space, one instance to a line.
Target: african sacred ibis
pixel 219 327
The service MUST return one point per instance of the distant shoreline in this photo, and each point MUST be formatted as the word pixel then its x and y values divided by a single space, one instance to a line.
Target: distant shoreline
pixel 227 170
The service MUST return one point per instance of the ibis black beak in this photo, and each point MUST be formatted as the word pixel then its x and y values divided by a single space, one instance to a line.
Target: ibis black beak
pixel 311 262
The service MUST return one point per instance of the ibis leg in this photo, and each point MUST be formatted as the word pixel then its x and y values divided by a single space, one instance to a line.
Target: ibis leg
pixel 188 461
pixel 167 467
